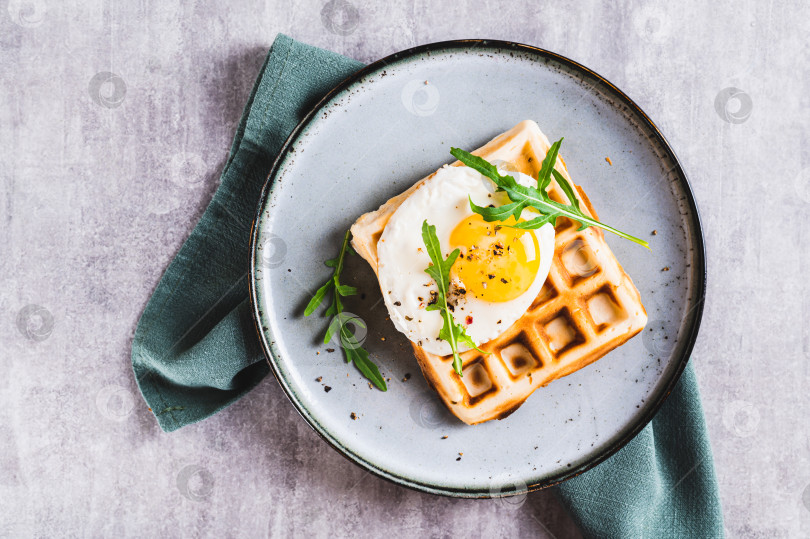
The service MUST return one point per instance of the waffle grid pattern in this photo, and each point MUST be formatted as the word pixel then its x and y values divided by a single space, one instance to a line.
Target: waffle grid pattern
pixel 579 310
pixel 587 307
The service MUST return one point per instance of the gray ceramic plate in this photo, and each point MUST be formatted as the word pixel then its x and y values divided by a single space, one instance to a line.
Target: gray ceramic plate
pixel 377 134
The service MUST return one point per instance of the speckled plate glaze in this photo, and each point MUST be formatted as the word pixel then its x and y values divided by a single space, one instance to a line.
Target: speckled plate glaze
pixel 373 137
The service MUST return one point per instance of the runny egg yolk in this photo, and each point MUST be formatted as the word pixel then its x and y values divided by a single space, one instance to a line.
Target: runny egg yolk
pixel 497 263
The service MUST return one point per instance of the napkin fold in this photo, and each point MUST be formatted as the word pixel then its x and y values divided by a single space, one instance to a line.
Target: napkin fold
pixel 195 350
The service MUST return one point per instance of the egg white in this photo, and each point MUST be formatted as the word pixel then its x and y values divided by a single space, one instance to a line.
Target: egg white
pixel 402 259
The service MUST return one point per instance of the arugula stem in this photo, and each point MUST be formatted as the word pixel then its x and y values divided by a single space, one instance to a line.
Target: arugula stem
pixel 581 217
pixel 439 270
pixel 537 198
pixel 352 348
pixel 342 255
pixel 448 321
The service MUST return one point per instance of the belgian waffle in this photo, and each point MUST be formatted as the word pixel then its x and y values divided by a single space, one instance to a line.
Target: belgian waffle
pixel 587 307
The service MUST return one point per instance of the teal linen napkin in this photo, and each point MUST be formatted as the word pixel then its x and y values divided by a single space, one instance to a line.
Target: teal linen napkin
pixel 195 350
pixel 661 484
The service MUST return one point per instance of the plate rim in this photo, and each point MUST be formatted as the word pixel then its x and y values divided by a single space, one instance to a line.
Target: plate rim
pixel 699 250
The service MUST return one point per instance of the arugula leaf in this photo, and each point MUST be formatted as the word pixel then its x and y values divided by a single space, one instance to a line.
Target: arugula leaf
pixel 333 326
pixel 537 222
pixel 522 197
pixel 501 213
pixel 318 297
pixel 439 270
pixel 359 356
pixel 346 290
pixel 352 348
pixel 544 176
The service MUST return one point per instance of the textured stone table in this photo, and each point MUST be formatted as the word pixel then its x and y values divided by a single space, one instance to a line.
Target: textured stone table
pixel 115 121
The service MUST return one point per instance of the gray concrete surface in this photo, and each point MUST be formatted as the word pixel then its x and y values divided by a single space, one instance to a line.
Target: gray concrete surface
pixel 102 178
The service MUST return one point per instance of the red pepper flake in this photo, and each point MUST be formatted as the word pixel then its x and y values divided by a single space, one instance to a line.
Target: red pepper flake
pixel 468 320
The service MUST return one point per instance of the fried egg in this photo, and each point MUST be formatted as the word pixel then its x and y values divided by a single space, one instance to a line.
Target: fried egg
pixel 494 281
